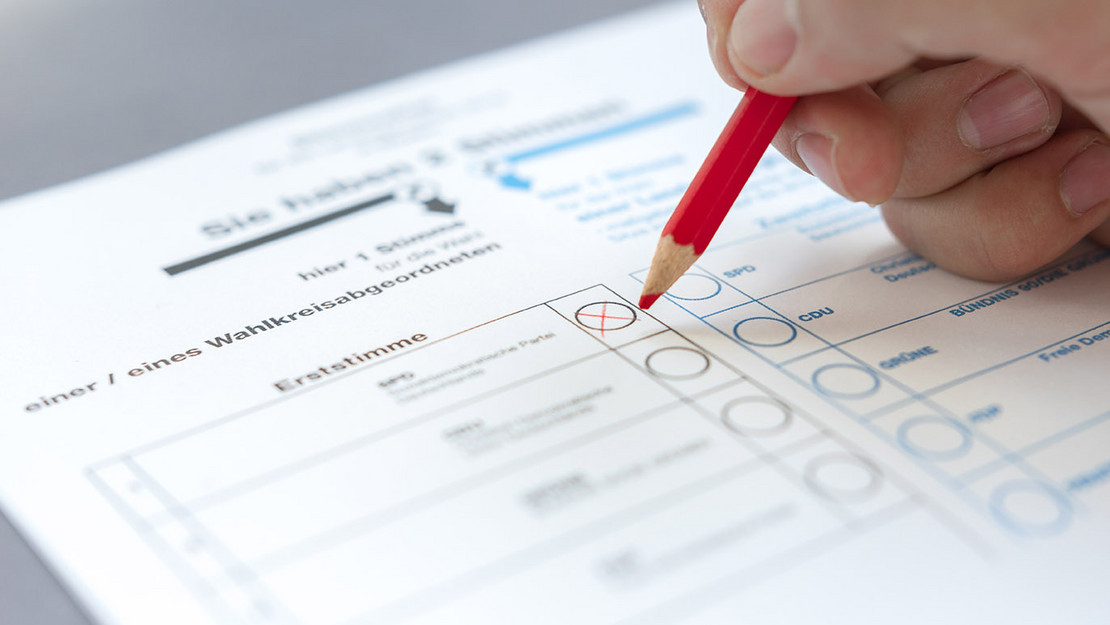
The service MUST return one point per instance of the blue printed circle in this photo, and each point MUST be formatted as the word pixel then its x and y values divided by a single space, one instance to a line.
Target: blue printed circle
pixel 694 287
pixel 931 438
pixel 761 327
pixel 846 381
pixel 1031 508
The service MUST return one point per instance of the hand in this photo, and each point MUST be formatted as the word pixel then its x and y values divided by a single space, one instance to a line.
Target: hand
pixel 979 125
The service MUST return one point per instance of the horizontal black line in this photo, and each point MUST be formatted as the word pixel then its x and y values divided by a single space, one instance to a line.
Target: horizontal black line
pixel 173 270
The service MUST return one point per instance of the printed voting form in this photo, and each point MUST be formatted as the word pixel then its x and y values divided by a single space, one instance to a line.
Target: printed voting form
pixel 375 361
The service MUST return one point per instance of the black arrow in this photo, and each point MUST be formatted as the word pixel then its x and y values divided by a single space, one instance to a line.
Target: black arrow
pixel 437 205
pixel 434 205
pixel 193 263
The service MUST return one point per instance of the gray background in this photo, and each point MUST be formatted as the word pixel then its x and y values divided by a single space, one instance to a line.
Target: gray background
pixel 86 85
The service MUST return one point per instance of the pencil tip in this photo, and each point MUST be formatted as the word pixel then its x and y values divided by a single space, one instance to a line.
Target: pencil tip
pixel 671 260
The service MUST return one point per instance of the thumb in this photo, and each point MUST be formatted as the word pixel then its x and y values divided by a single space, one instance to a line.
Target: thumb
pixel 809 46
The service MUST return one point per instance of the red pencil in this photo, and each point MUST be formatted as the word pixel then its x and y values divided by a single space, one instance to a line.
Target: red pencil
pixel 710 196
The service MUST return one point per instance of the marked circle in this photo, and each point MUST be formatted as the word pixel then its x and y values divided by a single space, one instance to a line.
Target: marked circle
pixel 677 363
pixel 1031 508
pixel 845 381
pixel 756 416
pixel 692 287
pixel 844 477
pixel 765 331
pixel 935 438
pixel 605 316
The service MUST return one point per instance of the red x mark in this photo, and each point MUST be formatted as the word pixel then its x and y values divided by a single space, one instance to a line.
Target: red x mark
pixel 605 317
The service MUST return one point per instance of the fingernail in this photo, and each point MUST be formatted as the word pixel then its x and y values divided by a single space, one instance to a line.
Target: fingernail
pixel 1085 181
pixel 762 37
pixel 816 152
pixel 1006 108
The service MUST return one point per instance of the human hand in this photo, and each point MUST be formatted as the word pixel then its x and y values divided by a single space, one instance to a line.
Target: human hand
pixel 979 125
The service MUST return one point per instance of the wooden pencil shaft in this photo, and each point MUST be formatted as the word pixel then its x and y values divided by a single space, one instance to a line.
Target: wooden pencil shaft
pixel 727 168
pixel 714 189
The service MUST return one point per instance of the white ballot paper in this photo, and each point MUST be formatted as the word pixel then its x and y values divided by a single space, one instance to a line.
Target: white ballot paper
pixel 376 361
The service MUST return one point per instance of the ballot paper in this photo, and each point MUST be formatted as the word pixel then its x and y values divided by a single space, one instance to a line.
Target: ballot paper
pixel 376 360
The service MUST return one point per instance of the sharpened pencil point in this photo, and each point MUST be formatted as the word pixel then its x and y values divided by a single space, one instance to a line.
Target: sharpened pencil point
pixel 647 299
pixel 667 266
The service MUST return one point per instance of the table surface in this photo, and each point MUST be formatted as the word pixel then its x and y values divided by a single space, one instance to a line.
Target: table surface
pixel 88 86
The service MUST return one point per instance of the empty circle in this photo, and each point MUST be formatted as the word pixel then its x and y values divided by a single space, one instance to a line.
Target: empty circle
pixel 694 286
pixel 842 476
pixel 935 438
pixel 844 380
pixel 677 363
pixel 756 416
pixel 1030 508
pixel 605 316
pixel 765 331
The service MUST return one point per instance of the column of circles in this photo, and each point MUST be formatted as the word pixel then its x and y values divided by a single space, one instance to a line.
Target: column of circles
pixel 1006 489
pixel 1024 501
pixel 848 483
pixel 835 375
